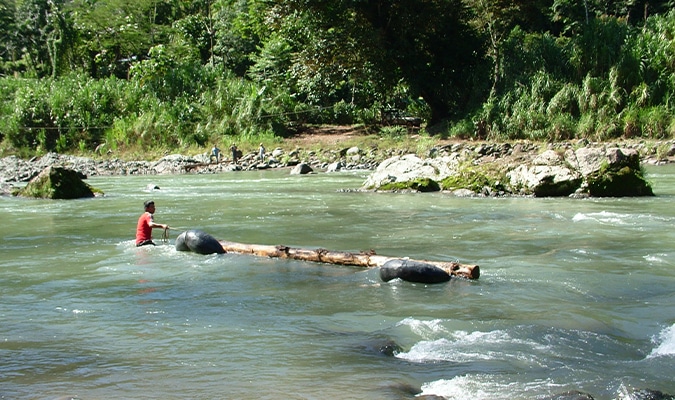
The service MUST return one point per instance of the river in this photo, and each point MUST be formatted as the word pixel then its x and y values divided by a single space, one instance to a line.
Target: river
pixel 573 294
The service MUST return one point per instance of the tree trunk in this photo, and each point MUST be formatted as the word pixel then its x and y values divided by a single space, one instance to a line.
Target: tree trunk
pixel 368 260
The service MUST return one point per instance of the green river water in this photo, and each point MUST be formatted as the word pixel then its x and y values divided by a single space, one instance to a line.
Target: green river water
pixel 573 294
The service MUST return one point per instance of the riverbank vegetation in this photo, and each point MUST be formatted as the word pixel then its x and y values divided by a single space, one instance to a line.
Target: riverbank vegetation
pixel 152 76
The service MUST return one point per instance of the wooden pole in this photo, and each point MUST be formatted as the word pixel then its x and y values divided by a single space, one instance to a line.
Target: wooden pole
pixel 363 259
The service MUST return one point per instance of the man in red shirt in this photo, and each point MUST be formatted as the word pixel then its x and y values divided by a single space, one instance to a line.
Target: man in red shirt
pixel 145 225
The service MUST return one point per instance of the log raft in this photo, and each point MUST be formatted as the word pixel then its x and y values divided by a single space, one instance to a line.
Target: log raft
pixel 362 259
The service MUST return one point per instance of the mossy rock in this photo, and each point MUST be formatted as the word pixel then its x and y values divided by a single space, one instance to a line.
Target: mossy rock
pixel 624 182
pixel 476 179
pixel 57 183
pixel 419 184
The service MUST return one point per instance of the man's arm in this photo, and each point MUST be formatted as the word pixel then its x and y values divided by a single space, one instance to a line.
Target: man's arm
pixel 155 225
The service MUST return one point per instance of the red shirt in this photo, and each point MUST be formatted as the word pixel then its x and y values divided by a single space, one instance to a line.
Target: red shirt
pixel 143 229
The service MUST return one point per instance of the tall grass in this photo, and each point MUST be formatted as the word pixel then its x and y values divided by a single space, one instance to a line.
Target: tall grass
pixel 611 81
pixel 77 113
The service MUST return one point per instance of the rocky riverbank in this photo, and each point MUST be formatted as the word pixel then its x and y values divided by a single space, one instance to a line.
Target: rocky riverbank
pixel 14 171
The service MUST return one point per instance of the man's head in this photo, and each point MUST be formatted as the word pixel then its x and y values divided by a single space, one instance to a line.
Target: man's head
pixel 148 205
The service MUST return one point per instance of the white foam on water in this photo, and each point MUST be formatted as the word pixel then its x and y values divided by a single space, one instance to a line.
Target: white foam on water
pixel 666 343
pixel 425 329
pixel 482 386
pixel 462 346
pixel 656 258
pixel 461 387
pixel 603 217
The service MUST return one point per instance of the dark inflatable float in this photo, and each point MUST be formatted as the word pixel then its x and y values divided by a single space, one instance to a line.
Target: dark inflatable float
pixel 412 271
pixel 199 242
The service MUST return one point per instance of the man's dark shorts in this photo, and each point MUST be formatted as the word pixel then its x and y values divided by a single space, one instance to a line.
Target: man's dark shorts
pixel 145 242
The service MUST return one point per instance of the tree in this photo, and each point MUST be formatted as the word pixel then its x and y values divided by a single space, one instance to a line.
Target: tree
pixel 427 44
pixel 115 33
pixel 36 26
pixel 196 28
pixel 8 50
pixel 573 14
pixel 238 25
pixel 494 18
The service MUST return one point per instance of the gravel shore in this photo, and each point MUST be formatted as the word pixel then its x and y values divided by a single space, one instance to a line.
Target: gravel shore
pixel 15 171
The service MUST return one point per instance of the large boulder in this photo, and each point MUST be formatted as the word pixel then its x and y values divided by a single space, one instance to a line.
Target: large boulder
pixel 598 172
pixel 548 175
pixel 611 172
pixel 618 182
pixel 57 183
pixel 301 169
pixel 583 172
pixel 410 168
pixel 545 180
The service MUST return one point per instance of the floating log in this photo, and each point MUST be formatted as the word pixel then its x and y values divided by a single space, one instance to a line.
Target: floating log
pixel 362 259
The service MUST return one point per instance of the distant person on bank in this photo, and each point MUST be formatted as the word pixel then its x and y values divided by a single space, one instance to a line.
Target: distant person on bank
pixel 215 153
pixel 146 224
pixel 235 153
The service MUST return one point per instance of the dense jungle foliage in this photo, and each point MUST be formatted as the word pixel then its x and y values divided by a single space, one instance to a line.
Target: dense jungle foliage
pixel 146 74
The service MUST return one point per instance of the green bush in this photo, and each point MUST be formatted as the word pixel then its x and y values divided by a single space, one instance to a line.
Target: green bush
pixel 465 129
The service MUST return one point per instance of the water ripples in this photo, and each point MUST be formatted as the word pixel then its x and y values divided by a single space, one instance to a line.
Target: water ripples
pixel 573 294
